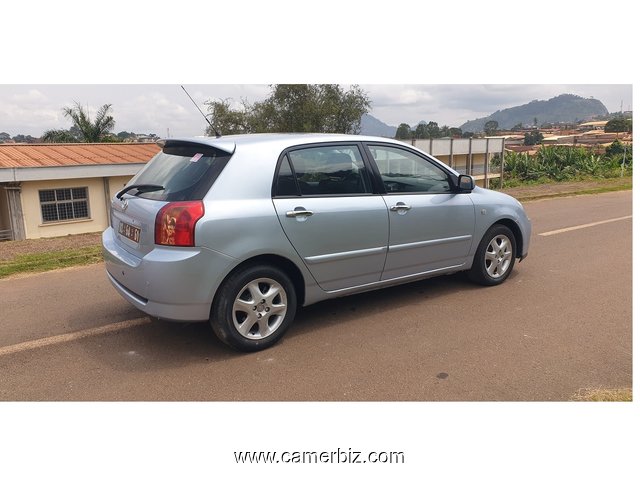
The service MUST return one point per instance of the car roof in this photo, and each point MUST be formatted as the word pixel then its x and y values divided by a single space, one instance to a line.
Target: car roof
pixel 228 143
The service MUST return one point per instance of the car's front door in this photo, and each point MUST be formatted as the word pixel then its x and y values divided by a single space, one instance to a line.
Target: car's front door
pixel 324 201
pixel 430 225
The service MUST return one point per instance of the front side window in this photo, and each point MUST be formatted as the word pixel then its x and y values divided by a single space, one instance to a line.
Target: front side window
pixel 61 204
pixel 329 170
pixel 405 172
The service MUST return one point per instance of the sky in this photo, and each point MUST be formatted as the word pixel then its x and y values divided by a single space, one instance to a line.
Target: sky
pixel 165 110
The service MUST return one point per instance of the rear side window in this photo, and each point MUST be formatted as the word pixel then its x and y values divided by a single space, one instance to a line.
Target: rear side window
pixel 330 170
pixel 185 170
pixel 286 181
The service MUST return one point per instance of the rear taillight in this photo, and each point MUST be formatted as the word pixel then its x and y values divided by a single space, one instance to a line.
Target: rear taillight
pixel 176 223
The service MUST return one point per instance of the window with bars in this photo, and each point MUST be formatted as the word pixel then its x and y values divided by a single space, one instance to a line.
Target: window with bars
pixel 62 204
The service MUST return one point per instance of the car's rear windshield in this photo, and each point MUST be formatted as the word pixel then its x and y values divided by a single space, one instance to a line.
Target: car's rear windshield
pixel 185 171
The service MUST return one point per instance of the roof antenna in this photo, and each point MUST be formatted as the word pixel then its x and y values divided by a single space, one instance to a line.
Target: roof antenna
pixel 218 135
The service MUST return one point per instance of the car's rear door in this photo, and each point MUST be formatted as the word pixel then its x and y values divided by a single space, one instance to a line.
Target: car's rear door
pixel 325 203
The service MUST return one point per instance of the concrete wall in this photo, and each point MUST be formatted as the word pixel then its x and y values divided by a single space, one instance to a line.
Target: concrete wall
pixel 459 163
pixel 99 201
pixel 36 228
pixel 455 153
pixel 116 184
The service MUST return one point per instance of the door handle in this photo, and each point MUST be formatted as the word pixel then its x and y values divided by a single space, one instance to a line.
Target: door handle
pixel 299 213
pixel 400 207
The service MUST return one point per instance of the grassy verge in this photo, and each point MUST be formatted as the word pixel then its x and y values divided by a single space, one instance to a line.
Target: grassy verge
pixel 42 262
pixel 603 395
pixel 526 192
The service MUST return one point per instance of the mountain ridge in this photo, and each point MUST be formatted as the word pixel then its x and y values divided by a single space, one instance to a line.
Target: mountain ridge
pixel 565 108
pixel 370 125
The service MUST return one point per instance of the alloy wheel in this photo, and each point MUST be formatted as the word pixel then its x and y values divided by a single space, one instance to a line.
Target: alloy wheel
pixel 498 256
pixel 260 308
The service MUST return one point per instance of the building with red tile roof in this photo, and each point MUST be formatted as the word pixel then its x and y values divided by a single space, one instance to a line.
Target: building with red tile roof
pixel 49 190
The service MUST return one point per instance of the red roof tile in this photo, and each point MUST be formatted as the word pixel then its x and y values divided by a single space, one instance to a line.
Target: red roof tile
pixel 72 154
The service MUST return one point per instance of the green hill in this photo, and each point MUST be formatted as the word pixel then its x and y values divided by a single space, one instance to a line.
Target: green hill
pixel 370 125
pixel 563 108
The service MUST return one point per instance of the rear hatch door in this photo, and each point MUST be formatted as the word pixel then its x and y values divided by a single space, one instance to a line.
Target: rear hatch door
pixel 182 171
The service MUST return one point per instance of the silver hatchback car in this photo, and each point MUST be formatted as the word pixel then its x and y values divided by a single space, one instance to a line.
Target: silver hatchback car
pixel 242 230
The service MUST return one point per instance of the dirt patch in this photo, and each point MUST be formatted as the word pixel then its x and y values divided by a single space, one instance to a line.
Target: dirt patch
pixel 9 250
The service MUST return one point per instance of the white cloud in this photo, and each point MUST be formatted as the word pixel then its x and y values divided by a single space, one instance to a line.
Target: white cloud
pixel 454 104
pixel 29 97
pixel 31 110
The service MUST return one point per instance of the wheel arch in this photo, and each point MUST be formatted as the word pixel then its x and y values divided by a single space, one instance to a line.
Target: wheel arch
pixel 517 233
pixel 284 264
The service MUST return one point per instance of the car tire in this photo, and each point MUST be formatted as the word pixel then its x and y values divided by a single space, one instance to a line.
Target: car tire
pixel 495 256
pixel 253 308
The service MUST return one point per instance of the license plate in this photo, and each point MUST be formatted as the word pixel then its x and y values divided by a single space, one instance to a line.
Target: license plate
pixel 129 231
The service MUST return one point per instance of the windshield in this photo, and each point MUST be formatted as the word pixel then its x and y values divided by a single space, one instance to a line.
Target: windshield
pixel 186 171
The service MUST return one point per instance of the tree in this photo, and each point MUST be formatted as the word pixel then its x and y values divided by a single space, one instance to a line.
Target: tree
pixel 59 136
pixel 616 148
pixel 228 121
pixel 433 130
pixel 84 130
pixel 25 139
pixel 533 138
pixel 124 135
pixel 446 131
pixel 618 124
pixel 455 132
pixel 490 127
pixel 421 131
pixel 517 127
pixel 404 132
pixel 321 108
pixel 345 108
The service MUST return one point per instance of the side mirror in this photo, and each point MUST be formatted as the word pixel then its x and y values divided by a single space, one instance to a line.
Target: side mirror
pixel 466 183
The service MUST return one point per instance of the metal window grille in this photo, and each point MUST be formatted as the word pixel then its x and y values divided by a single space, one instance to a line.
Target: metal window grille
pixel 62 204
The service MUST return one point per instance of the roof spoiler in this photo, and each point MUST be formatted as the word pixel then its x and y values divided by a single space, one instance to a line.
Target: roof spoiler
pixel 227 146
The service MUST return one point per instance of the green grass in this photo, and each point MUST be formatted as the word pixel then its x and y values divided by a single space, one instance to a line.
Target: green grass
pixel 585 191
pixel 42 262
pixel 627 180
pixel 603 189
pixel 603 395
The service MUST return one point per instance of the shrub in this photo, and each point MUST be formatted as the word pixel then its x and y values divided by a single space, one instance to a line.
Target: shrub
pixel 562 163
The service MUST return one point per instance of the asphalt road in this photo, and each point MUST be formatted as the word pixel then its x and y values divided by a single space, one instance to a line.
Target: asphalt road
pixel 562 322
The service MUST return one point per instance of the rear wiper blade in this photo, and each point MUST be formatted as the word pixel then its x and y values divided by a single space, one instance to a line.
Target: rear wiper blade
pixel 142 188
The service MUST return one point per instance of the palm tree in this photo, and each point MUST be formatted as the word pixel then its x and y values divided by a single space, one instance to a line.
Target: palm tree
pixel 88 131
pixel 59 136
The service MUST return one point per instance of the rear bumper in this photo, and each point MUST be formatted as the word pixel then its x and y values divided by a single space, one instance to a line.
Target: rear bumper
pixel 172 283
